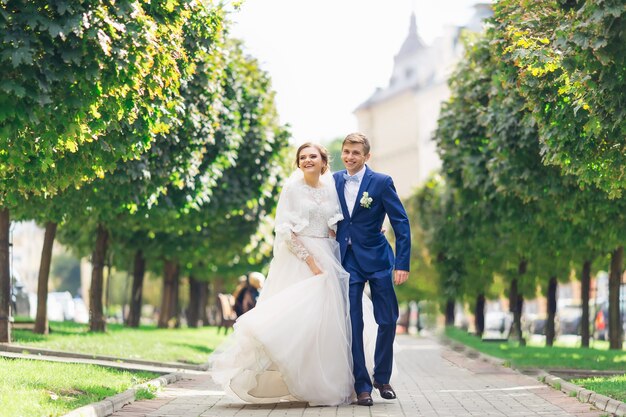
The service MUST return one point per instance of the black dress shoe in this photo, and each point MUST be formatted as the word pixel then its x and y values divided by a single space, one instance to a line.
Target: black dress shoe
pixel 385 391
pixel 365 398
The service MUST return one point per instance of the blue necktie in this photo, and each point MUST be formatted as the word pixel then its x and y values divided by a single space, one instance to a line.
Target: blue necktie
pixel 349 178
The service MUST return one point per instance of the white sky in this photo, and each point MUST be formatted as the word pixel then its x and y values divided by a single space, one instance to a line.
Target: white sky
pixel 325 57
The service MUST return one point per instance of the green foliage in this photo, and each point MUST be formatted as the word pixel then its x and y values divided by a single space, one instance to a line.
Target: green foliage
pixel 473 228
pixel 202 191
pixel 498 204
pixel 334 152
pixel 423 284
pixel 85 85
pixel 571 69
pixel 216 232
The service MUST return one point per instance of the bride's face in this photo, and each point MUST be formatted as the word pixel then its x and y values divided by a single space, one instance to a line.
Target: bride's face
pixel 310 161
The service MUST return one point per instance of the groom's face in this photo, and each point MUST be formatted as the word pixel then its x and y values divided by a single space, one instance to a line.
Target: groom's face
pixel 354 157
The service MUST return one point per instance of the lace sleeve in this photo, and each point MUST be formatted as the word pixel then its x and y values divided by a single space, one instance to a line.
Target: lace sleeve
pixel 291 218
pixel 296 247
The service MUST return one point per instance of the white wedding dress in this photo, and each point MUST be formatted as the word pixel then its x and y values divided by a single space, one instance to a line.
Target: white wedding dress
pixel 295 344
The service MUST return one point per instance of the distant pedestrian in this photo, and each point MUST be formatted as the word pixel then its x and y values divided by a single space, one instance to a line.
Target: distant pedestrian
pixel 247 292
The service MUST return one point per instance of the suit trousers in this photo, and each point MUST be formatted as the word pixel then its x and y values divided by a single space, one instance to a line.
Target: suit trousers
pixel 386 315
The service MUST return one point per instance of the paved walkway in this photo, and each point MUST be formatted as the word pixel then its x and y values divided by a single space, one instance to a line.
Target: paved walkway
pixel 432 381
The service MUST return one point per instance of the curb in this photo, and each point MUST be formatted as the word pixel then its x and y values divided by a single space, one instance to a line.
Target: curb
pixel 111 404
pixel 4 347
pixel 601 402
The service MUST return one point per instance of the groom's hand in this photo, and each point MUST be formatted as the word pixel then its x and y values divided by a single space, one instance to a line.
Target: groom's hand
pixel 400 277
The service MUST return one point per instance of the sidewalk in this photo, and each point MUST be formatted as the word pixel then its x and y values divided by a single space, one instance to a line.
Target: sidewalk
pixel 432 380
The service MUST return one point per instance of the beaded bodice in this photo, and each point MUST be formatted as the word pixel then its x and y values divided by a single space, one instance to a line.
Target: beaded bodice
pixel 321 209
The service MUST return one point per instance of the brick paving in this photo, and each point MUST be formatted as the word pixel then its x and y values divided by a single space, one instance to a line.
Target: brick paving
pixel 432 380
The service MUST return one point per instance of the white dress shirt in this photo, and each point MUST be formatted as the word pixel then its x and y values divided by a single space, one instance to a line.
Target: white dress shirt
pixel 351 190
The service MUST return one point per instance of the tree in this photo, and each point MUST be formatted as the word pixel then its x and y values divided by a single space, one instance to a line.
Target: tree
pixel 489 231
pixel 563 76
pixel 223 176
pixel 217 231
pixel 111 206
pixel 74 74
pixel 572 70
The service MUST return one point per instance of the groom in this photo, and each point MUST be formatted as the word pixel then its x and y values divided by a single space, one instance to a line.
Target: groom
pixel 366 197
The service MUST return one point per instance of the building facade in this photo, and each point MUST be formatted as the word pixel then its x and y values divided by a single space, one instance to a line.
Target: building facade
pixel 401 118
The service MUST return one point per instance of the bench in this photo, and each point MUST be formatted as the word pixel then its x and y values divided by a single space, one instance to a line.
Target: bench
pixel 226 315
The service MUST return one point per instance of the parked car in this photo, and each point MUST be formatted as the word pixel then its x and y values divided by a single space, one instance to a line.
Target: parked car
pixel 537 325
pixel 498 322
pixel 569 319
pixel 60 306
pixel 81 312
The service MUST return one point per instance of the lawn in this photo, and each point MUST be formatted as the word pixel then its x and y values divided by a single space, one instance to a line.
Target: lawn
pixel 614 387
pixel 148 342
pixel 553 358
pixel 545 357
pixel 38 388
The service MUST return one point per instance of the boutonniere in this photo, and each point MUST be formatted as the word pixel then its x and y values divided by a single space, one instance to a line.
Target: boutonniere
pixel 366 200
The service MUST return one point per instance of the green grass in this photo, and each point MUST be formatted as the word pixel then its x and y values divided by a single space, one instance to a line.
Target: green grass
pixel 544 357
pixel 38 388
pixel 614 387
pixel 146 393
pixel 147 343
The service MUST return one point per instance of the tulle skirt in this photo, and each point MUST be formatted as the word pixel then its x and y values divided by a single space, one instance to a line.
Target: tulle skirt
pixel 295 344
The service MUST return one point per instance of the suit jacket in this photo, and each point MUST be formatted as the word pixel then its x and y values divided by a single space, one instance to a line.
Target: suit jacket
pixel 363 228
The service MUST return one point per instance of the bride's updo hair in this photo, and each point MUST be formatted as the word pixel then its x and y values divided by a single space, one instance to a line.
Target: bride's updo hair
pixel 322 150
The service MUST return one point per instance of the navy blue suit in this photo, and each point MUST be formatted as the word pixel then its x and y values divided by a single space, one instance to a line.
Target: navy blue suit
pixel 367 256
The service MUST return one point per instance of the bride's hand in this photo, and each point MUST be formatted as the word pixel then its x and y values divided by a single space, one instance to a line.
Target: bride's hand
pixel 331 233
pixel 313 266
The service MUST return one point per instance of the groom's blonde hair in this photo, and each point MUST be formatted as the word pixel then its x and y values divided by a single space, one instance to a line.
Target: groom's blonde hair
pixel 358 138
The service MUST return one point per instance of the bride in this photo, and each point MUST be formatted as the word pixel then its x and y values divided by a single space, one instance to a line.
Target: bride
pixel 295 344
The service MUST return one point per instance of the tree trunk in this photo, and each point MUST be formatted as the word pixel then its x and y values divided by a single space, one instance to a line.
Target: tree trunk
pixel 97 321
pixel 139 270
pixel 518 318
pixel 204 303
pixel 169 293
pixel 176 299
pixel 5 277
pixel 585 283
pixel 195 295
pixel 512 305
pixel 516 301
pixel 550 329
pixel 479 315
pixel 217 287
pixel 107 283
pixel 41 321
pixel 450 312
pixel 615 281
